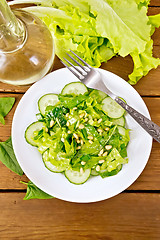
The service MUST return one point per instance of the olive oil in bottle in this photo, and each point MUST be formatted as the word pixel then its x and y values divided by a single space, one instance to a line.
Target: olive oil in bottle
pixel 26 47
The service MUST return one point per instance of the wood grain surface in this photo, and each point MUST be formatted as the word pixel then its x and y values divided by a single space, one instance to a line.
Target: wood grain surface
pixel 132 215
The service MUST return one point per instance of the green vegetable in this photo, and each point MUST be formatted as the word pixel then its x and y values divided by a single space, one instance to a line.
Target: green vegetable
pixel 56 114
pixel 155 20
pixel 113 160
pixel 105 173
pixel 69 102
pixel 33 192
pixel 6 104
pixel 8 158
pixel 143 63
pixel 99 30
pixel 76 136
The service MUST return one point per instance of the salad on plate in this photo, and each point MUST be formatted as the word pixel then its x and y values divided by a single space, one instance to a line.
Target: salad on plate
pixel 80 132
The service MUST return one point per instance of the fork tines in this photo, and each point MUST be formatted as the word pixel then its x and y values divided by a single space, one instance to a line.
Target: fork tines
pixel 81 71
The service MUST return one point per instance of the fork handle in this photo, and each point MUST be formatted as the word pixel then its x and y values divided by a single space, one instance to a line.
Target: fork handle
pixel 152 128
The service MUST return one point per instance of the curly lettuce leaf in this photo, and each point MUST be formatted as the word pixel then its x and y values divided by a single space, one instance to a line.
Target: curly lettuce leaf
pixel 143 63
pixel 154 21
pixel 142 3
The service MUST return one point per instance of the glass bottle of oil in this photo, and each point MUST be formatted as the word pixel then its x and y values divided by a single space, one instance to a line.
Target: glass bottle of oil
pixel 26 47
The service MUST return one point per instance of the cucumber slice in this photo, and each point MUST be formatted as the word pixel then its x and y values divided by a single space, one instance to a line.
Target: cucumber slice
pixel 75 88
pixel 111 108
pixel 77 177
pixel 102 94
pixel 104 173
pixel 47 100
pixel 29 133
pixel 119 121
pixel 49 165
pixel 121 130
pixel 98 94
pixel 94 172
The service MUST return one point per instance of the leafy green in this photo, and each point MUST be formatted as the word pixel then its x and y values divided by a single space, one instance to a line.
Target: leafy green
pixel 33 192
pixel 56 114
pixel 80 143
pixel 8 158
pixel 99 31
pixel 2 119
pixel 155 20
pixel 70 102
pixel 120 142
pixel 6 103
pixel 113 160
pixel 108 135
pixel 143 63
pixel 92 149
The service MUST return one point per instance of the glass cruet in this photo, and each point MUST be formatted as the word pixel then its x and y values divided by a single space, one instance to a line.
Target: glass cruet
pixel 26 46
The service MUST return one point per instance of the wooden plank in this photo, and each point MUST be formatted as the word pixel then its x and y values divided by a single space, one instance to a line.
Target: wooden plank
pixel 155 3
pixel 126 216
pixel 149 179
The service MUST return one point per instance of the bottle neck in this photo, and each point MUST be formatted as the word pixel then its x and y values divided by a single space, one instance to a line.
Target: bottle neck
pixel 12 30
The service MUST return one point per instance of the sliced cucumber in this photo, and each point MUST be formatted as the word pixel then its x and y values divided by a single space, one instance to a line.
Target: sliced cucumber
pixel 104 173
pixel 119 121
pixel 111 108
pixel 121 130
pixel 77 177
pixel 98 94
pixel 75 88
pixel 47 100
pixel 94 172
pixel 49 165
pixel 102 94
pixel 29 133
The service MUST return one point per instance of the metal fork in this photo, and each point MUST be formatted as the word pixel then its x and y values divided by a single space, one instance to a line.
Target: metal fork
pixel 92 78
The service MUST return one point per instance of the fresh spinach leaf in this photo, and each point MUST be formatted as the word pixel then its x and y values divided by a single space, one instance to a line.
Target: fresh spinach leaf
pixel 7 157
pixel 33 192
pixel 6 103
pixel 2 119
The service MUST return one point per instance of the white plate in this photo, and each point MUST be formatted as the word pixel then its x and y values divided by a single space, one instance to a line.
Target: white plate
pixel 55 184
